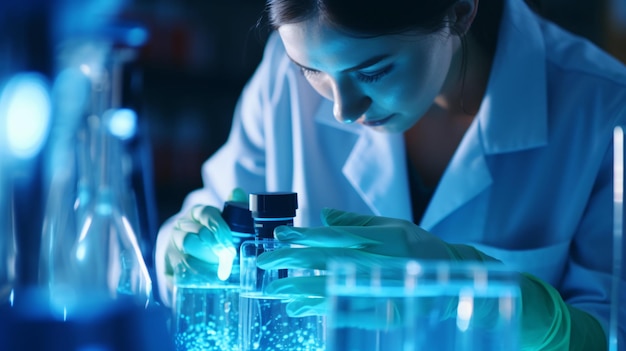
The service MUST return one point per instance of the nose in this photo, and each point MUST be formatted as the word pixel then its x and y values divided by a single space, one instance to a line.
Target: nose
pixel 349 103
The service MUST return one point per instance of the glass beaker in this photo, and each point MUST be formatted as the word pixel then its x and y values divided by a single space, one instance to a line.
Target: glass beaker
pixel 206 308
pixel 266 324
pixel 417 305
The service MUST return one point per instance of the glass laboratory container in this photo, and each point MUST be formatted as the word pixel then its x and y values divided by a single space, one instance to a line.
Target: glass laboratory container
pixel 106 256
pixel 206 308
pixel 90 250
pixel 422 305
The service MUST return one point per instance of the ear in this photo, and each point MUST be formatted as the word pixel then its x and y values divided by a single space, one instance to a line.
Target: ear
pixel 462 14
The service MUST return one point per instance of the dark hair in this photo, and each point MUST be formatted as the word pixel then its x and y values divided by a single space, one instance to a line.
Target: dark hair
pixel 377 17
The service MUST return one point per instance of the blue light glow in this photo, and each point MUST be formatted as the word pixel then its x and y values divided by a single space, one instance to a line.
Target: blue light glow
pixel 137 36
pixel 123 123
pixel 225 265
pixel 25 107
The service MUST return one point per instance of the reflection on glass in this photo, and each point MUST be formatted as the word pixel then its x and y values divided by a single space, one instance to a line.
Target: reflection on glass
pixel 422 306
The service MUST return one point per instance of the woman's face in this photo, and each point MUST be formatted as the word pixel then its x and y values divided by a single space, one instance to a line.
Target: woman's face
pixel 386 82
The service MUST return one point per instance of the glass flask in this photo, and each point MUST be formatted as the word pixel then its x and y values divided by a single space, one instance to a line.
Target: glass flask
pixel 89 242
pixel 106 256
pixel 206 309
pixel 422 305
pixel 68 173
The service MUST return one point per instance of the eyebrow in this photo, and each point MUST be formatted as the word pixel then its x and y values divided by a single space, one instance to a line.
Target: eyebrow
pixel 369 62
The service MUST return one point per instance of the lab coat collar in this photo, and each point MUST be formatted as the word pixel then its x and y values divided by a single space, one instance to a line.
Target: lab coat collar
pixel 513 115
pixel 466 176
pixel 376 166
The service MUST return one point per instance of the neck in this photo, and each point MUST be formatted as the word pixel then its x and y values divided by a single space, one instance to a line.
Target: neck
pixel 467 81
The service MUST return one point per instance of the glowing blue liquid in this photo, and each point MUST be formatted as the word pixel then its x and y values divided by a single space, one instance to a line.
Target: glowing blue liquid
pixel 207 318
pixel 443 319
pixel 265 326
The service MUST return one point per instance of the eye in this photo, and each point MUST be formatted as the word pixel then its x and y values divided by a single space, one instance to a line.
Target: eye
pixel 371 77
pixel 308 73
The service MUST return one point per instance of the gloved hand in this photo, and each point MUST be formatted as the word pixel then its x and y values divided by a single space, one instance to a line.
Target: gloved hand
pixel 369 240
pixel 201 243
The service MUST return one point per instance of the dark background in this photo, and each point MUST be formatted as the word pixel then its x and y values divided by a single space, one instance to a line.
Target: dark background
pixel 196 62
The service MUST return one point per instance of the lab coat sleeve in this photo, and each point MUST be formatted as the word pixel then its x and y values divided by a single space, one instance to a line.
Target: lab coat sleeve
pixel 240 162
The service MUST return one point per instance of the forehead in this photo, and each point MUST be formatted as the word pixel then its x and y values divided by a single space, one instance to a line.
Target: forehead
pixel 314 43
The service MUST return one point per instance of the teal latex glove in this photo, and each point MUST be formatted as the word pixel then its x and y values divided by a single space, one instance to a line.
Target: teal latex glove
pixel 202 242
pixel 367 240
pixel 547 322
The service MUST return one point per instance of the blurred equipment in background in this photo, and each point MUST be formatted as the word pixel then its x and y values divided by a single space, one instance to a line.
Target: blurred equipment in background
pixel 194 65
pixel 24 120
pixel 90 243
pixel 75 201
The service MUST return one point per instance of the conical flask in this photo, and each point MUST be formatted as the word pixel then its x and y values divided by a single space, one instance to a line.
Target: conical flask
pixel 107 259
pixel 90 252
pixel 68 188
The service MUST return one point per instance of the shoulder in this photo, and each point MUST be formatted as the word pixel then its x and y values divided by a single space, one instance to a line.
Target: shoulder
pixel 572 56
pixel 274 51
pixel 276 74
pixel 583 76
pixel 275 60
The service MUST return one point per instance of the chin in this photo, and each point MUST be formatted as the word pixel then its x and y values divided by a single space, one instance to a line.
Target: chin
pixel 397 126
pixel 391 129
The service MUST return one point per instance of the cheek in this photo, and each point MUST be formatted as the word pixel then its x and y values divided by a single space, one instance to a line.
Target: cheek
pixel 322 87
pixel 409 90
pixel 427 79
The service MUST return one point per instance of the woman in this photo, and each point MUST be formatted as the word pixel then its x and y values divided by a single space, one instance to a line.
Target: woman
pixel 482 123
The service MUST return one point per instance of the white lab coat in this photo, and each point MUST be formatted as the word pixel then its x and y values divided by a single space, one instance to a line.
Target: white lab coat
pixel 530 184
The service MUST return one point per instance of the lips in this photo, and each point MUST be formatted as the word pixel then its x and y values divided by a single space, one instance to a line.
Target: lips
pixel 377 122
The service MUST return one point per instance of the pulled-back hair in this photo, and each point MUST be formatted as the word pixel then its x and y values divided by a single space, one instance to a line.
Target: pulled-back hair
pixel 378 17
pixel 363 16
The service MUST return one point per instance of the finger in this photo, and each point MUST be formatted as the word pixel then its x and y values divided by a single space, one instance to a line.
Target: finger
pixel 187 225
pixel 334 217
pixel 387 241
pixel 306 307
pixel 354 237
pixel 211 218
pixel 316 257
pixel 310 286
pixel 238 195
pixel 194 246
pixel 212 252
pixel 184 226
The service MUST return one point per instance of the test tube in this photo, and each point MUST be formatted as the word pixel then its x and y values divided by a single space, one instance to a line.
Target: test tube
pixel 618 221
